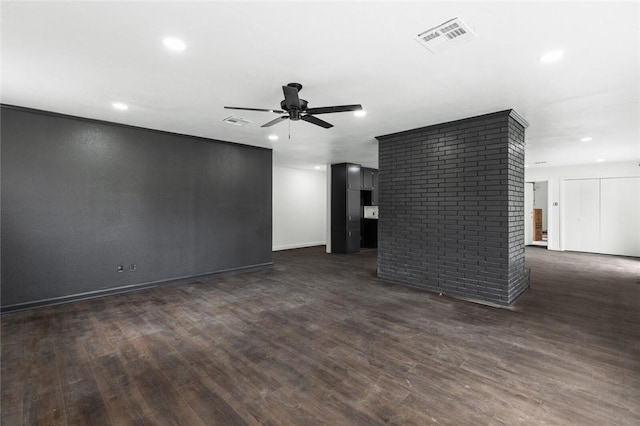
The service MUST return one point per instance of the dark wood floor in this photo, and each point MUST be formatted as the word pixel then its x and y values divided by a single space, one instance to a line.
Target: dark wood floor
pixel 320 340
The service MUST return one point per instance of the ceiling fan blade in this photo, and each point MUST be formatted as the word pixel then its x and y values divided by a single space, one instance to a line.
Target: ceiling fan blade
pixel 276 121
pixel 331 109
pixel 277 111
pixel 315 120
pixel 291 98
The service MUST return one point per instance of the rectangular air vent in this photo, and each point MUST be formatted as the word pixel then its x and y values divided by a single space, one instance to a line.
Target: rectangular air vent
pixel 236 121
pixel 445 35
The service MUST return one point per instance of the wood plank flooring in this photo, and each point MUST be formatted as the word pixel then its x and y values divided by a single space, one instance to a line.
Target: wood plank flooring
pixel 320 340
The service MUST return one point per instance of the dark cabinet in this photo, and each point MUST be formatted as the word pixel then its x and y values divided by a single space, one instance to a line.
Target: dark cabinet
pixel 353 240
pixel 367 178
pixel 352 187
pixel 375 190
pixel 354 178
pixel 346 213
pixel 353 207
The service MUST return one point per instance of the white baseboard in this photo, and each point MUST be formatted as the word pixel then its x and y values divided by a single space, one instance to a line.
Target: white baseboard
pixel 299 245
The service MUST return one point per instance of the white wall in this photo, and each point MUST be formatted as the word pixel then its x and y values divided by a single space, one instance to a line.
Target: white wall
pixel 299 208
pixel 555 176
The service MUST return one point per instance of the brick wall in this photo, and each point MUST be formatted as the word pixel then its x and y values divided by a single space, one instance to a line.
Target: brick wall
pixel 518 274
pixel 451 208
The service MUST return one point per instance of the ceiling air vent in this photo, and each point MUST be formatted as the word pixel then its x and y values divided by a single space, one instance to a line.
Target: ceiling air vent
pixel 235 121
pixel 445 35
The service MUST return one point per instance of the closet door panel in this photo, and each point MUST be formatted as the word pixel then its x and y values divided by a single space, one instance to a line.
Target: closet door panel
pixel 620 216
pixel 582 215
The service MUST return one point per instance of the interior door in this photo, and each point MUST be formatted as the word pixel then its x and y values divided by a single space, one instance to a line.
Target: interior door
pixel 581 215
pixel 619 218
pixel 537 224
pixel 528 213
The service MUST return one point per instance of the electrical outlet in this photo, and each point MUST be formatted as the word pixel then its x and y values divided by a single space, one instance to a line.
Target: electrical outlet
pixel 132 267
pixel 120 268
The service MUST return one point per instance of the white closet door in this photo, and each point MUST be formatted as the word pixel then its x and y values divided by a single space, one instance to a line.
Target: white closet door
pixel 620 216
pixel 582 215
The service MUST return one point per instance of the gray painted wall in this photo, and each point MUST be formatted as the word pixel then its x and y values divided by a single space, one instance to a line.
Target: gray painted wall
pixel 80 197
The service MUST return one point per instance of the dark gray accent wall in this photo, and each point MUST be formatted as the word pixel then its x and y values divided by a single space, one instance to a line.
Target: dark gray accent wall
pixel 80 197
pixel 451 208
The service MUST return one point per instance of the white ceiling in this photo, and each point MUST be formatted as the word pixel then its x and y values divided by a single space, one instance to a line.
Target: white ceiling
pixel 77 58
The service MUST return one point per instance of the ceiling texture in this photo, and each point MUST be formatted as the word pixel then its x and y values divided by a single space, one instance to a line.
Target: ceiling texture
pixel 79 57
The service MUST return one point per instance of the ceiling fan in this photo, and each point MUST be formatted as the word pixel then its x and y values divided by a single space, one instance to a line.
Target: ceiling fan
pixel 296 108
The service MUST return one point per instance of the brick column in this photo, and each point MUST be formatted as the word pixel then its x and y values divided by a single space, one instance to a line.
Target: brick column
pixel 452 208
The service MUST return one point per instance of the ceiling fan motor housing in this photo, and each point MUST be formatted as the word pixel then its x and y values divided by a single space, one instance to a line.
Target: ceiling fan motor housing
pixel 294 113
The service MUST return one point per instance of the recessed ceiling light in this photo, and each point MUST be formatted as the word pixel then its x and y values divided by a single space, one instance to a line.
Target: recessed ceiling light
pixel 317 167
pixel 587 139
pixel 173 43
pixel 273 137
pixel 120 106
pixel 551 56
pixel 360 113
pixel 526 165
pixel 600 160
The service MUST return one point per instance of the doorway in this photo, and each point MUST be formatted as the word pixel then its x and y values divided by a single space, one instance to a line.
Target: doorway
pixel 536 215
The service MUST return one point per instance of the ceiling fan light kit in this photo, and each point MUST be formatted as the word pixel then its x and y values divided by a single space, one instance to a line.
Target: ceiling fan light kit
pixel 296 109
